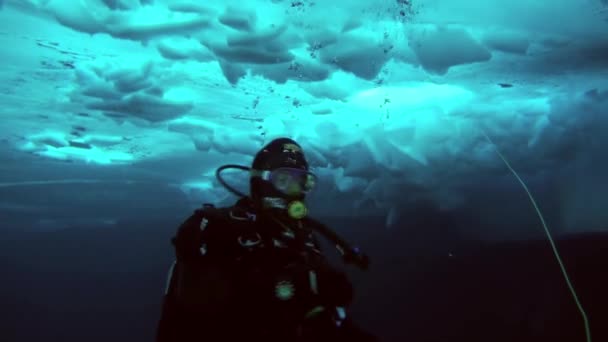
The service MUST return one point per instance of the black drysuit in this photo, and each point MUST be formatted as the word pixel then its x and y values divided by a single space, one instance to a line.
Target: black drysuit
pixel 242 276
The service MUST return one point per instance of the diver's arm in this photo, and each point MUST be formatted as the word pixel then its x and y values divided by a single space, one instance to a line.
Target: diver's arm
pixel 197 294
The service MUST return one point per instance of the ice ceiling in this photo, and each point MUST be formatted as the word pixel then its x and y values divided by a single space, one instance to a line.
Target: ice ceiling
pixel 388 98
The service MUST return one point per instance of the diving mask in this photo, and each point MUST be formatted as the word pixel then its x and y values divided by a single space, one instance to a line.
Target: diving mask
pixel 289 181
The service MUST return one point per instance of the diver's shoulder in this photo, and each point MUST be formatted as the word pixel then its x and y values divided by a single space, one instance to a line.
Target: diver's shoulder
pixel 238 211
pixel 203 222
pixel 211 212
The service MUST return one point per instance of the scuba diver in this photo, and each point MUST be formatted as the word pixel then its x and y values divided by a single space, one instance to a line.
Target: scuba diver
pixel 255 270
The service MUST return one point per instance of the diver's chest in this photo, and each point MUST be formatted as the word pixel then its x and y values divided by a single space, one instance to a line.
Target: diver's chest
pixel 259 243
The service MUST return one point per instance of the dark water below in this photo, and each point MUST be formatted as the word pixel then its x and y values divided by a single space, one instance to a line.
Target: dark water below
pixel 426 284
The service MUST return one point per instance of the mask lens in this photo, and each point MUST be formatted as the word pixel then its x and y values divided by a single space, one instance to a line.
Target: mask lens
pixel 292 181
